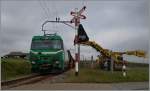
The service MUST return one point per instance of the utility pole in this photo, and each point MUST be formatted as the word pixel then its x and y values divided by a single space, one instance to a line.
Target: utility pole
pixel 77 16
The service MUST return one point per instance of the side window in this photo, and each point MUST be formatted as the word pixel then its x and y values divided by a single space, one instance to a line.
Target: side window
pixel 62 45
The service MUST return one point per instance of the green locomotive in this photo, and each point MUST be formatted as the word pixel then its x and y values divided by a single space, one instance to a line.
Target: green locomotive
pixel 47 53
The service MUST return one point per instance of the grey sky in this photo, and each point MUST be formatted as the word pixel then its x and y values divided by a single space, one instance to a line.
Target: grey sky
pixel 117 25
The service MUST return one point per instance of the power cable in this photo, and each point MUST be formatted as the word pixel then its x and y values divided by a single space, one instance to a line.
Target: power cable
pixel 47 8
pixel 55 15
pixel 45 11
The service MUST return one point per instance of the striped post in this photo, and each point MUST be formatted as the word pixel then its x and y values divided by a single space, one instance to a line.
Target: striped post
pixel 124 69
pixel 77 16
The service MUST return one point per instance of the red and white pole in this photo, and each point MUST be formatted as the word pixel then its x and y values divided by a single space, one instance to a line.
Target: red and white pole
pixel 76 19
pixel 76 45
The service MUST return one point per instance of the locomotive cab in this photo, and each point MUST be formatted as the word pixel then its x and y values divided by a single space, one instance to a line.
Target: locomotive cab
pixel 47 53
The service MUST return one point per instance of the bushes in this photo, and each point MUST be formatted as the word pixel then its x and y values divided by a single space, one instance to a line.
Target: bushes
pixel 14 67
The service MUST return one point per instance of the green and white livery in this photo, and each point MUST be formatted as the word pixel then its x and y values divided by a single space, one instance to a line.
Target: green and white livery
pixel 47 53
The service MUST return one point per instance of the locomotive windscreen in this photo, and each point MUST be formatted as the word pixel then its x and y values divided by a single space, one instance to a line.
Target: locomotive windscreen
pixel 47 44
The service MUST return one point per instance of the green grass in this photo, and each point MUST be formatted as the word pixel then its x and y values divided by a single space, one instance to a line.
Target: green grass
pixel 87 75
pixel 12 68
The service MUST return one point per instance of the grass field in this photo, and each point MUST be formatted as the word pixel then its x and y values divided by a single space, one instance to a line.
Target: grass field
pixel 14 67
pixel 87 75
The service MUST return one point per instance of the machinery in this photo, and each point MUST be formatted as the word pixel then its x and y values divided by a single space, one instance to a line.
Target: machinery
pixel 47 53
pixel 118 58
pixel 106 56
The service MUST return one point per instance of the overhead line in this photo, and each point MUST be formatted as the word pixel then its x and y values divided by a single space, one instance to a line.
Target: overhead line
pixel 47 8
pixel 45 11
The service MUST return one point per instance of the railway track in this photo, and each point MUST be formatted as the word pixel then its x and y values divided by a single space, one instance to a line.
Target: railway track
pixel 31 79
pixel 14 81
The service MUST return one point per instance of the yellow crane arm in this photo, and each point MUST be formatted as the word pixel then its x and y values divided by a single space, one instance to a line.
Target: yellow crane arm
pixel 97 47
pixel 104 52
pixel 138 53
pixel 107 53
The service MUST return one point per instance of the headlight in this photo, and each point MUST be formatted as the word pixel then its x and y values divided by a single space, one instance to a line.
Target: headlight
pixel 57 62
pixel 33 62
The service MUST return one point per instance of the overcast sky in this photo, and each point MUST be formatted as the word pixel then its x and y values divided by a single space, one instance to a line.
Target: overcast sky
pixel 119 25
